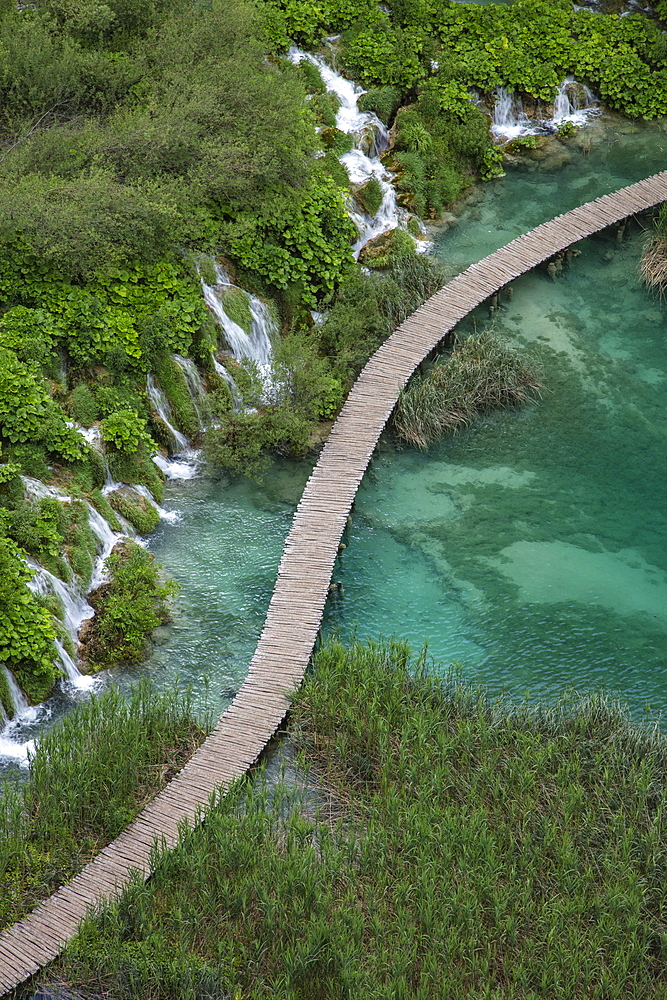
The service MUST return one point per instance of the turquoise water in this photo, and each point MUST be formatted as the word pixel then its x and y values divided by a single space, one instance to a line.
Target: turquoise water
pixel 532 549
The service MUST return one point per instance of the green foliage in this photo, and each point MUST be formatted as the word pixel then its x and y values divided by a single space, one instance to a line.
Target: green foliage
pixel 307 246
pixel 127 609
pixel 384 101
pixel 367 309
pixel 26 630
pixel 370 195
pixel 125 431
pixel 464 849
pixel 28 414
pixel 89 777
pixel 136 509
pixel 481 374
pixel 82 405
pixel 566 130
pixel 386 249
pixel 137 467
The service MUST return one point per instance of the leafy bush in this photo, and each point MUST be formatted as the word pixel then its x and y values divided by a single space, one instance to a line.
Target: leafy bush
pixel 82 406
pixel 125 431
pixel 26 629
pixel 127 608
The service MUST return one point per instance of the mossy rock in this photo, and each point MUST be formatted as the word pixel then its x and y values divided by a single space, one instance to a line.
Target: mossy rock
pixel 381 251
pixel 236 304
pixel 369 196
pixel 135 508
pixel 336 141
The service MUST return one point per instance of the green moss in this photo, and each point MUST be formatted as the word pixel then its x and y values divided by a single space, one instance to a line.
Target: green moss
pixel 336 141
pixel 382 100
pixel 103 507
pixel 386 249
pixel 32 458
pixel 236 304
pixel 5 696
pixel 330 165
pixel 172 381
pixel 135 509
pixel 138 467
pixel 370 195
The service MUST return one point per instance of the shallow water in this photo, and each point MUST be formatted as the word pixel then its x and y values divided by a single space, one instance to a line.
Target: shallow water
pixel 604 156
pixel 532 549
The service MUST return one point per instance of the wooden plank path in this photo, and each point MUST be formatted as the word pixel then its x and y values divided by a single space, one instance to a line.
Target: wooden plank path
pixel 295 612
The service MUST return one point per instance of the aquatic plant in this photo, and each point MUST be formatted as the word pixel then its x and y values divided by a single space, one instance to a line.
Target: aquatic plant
pixel 653 263
pixel 481 374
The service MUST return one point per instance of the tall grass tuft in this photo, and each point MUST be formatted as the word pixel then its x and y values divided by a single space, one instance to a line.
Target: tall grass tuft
pixel 653 264
pixel 486 850
pixel 89 777
pixel 481 374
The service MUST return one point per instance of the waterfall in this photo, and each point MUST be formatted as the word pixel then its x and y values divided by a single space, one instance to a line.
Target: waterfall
pixel 163 410
pixel 254 345
pixel 196 390
pixel 573 103
pixel 106 539
pixel 165 515
pixel 83 682
pixel 360 165
pixel 19 700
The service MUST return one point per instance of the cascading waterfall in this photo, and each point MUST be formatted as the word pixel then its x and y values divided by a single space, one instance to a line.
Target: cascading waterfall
pixel 574 103
pixel 254 345
pixel 196 390
pixel 163 410
pixel 362 162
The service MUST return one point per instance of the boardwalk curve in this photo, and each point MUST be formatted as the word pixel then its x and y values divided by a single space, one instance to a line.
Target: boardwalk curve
pixel 295 612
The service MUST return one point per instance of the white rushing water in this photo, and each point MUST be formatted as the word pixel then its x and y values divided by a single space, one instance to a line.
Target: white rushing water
pixel 363 161
pixel 254 345
pixel 163 410
pixel 573 103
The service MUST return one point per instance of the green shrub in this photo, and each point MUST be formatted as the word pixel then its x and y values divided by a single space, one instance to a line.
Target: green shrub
pixel 136 509
pixel 82 406
pixel 384 101
pixel 127 608
pixel 26 629
pixel 125 431
pixel 138 467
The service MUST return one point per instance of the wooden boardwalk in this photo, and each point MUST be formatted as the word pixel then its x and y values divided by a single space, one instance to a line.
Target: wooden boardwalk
pixel 295 612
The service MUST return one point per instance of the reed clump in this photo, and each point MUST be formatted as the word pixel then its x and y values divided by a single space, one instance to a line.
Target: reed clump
pixel 653 263
pixel 89 777
pixel 487 851
pixel 481 374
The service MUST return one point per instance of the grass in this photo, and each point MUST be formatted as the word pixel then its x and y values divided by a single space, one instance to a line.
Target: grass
pixel 653 264
pixel 483 850
pixel 89 777
pixel 480 375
